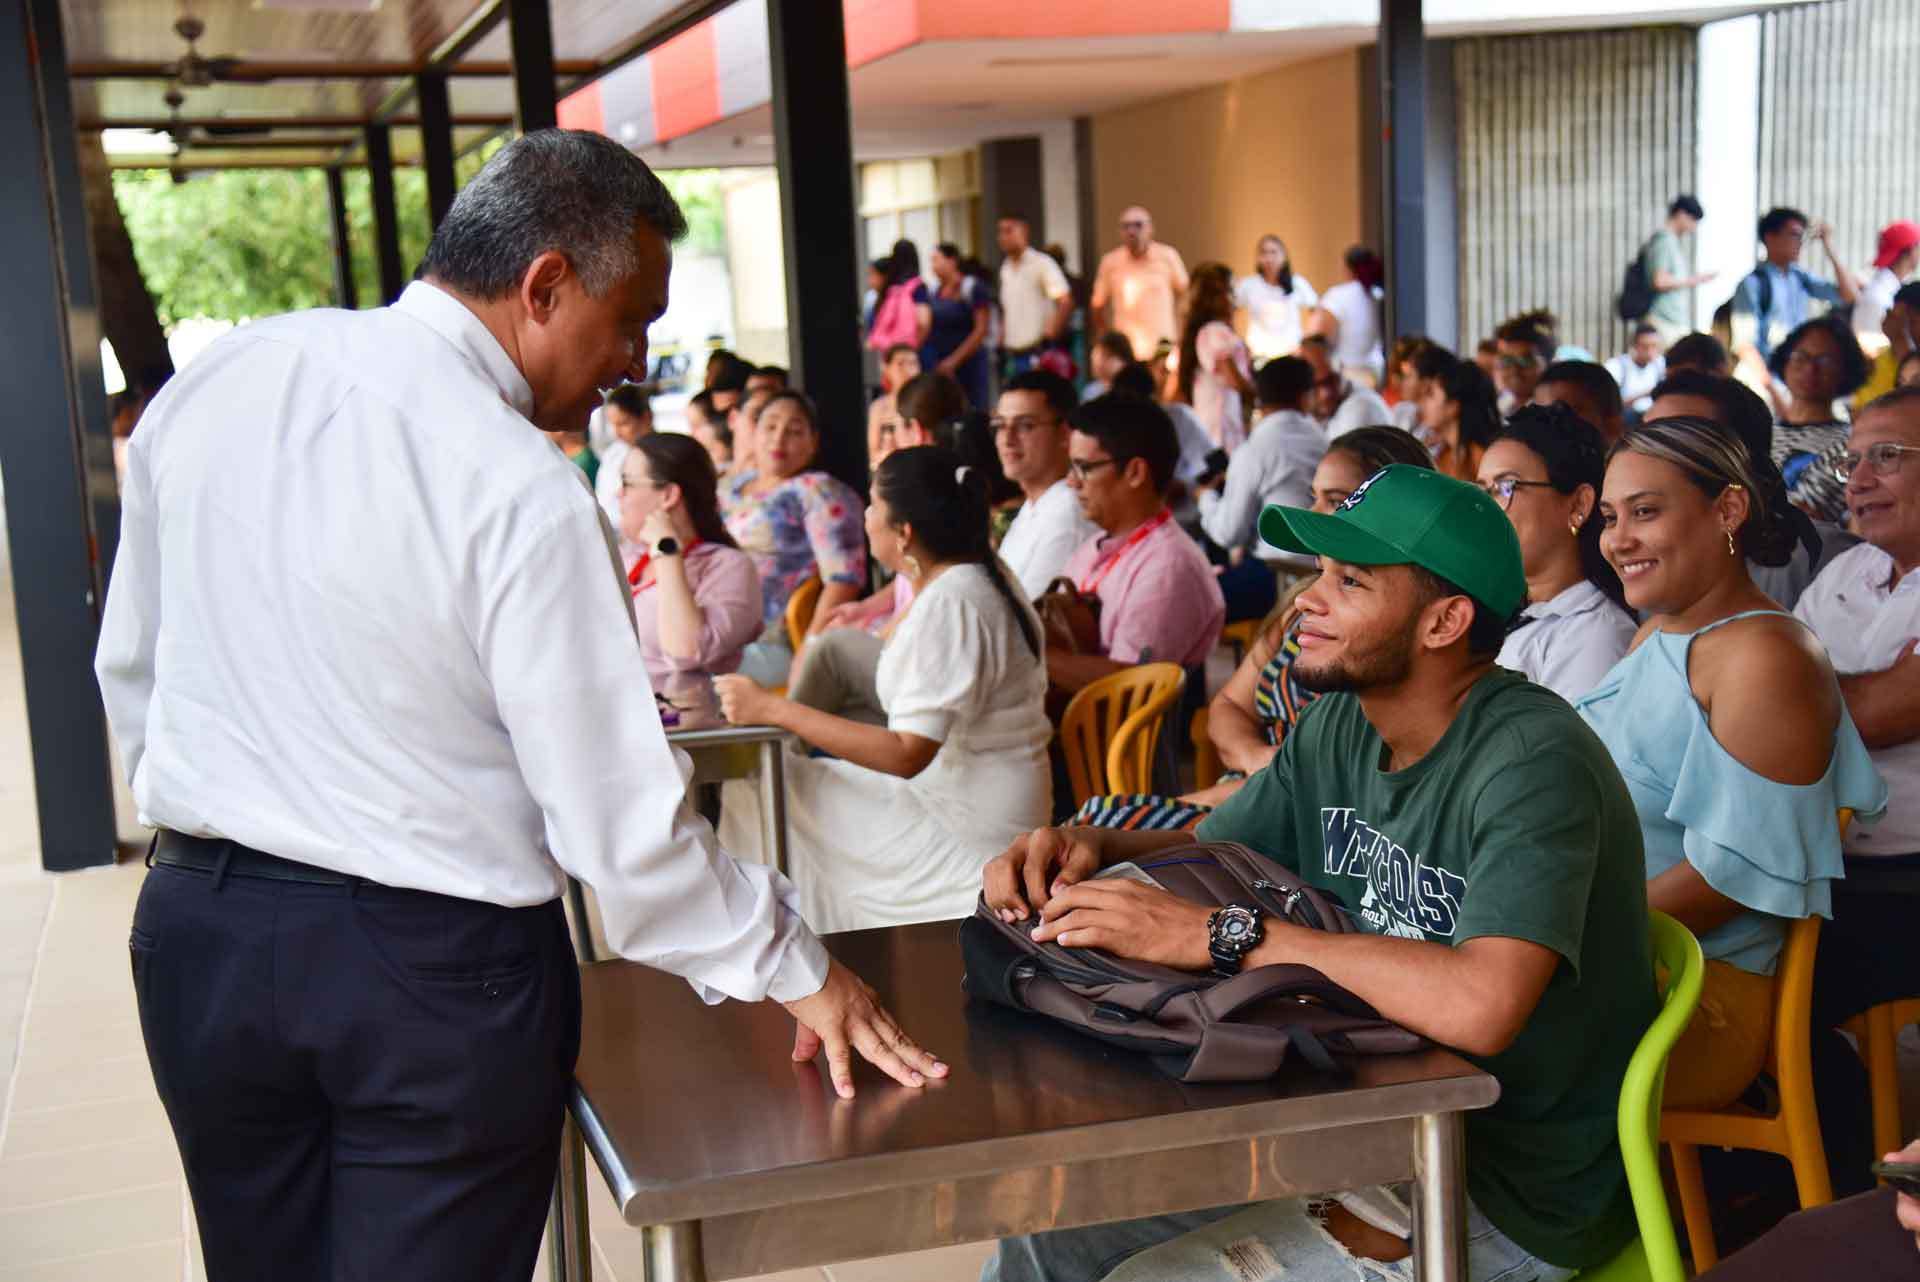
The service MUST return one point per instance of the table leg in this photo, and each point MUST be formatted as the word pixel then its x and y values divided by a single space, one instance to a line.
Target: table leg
pixel 1440 1200
pixel 569 1248
pixel 773 802
pixel 673 1253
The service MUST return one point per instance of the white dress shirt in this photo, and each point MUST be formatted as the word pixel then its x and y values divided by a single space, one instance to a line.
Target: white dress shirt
pixel 1044 533
pixel 1362 408
pixel 1865 624
pixel 365 616
pixel 1274 466
pixel 1637 381
pixel 1031 288
pixel 1569 642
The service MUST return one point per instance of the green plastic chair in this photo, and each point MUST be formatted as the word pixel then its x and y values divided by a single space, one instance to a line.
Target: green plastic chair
pixel 1655 1257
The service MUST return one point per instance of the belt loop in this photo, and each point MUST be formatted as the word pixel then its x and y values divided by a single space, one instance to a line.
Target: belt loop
pixel 153 844
pixel 220 869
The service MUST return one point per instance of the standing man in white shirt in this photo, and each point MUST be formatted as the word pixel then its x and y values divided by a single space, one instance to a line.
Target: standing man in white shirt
pixel 1338 402
pixel 1030 432
pixel 1865 608
pixel 379 710
pixel 1036 303
pixel 1274 466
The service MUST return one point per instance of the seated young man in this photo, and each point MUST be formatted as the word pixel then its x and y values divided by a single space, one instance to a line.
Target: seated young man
pixel 1478 832
pixel 1159 599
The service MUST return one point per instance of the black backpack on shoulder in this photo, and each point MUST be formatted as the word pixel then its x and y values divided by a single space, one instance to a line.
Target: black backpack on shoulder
pixel 1635 298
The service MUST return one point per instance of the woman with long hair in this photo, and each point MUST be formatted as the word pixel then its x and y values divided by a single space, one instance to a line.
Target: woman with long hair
pixel 1259 704
pixel 1820 362
pixel 1546 469
pixel 1460 416
pixel 1349 315
pixel 1214 372
pixel 1729 729
pixel 795 521
pixel 897 825
pixel 1275 298
pixel 954 317
pixel 696 595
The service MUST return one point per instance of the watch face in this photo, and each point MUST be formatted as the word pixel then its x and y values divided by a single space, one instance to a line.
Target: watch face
pixel 668 546
pixel 1236 927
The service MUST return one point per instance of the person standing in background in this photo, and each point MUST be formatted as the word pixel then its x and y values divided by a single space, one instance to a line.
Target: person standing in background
pixel 1275 298
pixel 1036 302
pixel 1898 254
pixel 1665 260
pixel 1349 316
pixel 1140 281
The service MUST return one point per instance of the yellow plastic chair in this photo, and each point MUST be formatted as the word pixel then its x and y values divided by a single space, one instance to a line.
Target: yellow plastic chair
pixel 1655 1255
pixel 800 608
pixel 1122 711
pixel 1878 1030
pixel 1793 1132
pixel 1206 758
pixel 1240 636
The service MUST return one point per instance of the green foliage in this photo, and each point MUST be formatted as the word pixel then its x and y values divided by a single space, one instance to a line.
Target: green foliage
pixel 698 191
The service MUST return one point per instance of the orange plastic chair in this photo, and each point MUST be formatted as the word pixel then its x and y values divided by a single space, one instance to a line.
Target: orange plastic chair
pixel 800 608
pixel 1240 636
pixel 1793 1131
pixel 1878 1030
pixel 1111 728
pixel 1206 758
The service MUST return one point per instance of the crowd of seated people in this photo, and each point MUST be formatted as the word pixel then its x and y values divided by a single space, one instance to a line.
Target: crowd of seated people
pixel 1653 650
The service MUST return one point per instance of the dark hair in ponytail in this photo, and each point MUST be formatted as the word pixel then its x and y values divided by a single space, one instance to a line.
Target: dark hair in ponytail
pixel 1714 458
pixel 1575 454
pixel 926 487
pixel 674 458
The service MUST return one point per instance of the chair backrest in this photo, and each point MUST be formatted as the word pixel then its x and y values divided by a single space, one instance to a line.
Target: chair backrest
pixel 800 607
pixel 1130 755
pixel 1094 717
pixel 1676 953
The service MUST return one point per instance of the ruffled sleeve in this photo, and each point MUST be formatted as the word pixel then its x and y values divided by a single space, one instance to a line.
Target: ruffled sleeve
pixel 1770 846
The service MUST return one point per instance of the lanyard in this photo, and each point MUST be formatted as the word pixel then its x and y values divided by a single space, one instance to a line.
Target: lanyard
pixel 1092 585
pixel 639 570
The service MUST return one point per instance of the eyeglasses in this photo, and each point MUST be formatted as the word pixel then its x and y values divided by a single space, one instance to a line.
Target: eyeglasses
pixel 1132 224
pixel 628 483
pixel 1519 362
pixel 1502 488
pixel 1083 468
pixel 1021 426
pixel 1883 459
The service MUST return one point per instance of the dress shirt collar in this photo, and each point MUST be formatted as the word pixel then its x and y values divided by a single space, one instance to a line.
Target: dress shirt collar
pixel 1875 573
pixel 450 318
pixel 1578 599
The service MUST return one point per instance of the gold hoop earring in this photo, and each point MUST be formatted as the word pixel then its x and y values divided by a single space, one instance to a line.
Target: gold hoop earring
pixel 913 566
pixel 1731 550
pixel 1573 528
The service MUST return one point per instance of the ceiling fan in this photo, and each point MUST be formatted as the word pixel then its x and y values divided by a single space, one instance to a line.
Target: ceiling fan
pixel 193 71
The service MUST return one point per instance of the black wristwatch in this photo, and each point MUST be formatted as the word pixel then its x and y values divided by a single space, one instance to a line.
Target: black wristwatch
pixel 668 546
pixel 1232 933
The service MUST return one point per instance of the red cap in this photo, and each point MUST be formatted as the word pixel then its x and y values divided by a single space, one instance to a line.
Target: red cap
pixel 1895 240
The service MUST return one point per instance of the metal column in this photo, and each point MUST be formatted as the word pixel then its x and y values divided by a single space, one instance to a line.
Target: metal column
pixel 536 99
pixel 813 147
pixel 1402 66
pixel 386 217
pixel 436 142
pixel 50 365
pixel 344 294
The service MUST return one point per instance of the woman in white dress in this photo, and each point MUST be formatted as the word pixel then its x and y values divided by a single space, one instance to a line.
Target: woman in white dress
pixel 898 823
pixel 1274 298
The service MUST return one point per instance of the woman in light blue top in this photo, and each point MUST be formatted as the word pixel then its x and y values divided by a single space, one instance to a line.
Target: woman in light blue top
pixel 1727 723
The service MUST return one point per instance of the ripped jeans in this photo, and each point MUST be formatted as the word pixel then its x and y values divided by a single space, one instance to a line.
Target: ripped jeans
pixel 1259 1242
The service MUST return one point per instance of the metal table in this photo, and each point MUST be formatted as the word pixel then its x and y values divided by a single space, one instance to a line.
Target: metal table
pixel 735 1161
pixel 716 756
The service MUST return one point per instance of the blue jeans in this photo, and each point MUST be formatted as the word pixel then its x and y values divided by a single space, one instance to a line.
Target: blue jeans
pixel 1259 1242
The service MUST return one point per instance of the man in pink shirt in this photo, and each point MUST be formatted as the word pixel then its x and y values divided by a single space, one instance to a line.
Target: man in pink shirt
pixel 1159 598
pixel 1142 282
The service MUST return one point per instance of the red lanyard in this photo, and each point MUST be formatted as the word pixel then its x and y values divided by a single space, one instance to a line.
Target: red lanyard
pixel 1159 519
pixel 639 569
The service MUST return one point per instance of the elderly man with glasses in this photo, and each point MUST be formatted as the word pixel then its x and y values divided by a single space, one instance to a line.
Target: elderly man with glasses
pixel 1142 281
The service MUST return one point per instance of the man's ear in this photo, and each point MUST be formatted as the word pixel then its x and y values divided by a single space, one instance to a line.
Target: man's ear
pixel 1446 620
pixel 540 284
pixel 1138 474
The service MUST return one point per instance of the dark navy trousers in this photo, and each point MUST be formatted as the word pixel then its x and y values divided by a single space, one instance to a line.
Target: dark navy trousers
pixel 365 1083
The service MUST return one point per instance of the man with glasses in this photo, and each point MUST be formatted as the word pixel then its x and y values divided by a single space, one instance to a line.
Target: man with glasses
pixel 1142 281
pixel 1159 599
pixel 1772 300
pixel 1030 434
pixel 1338 402
pixel 1526 344
pixel 1865 607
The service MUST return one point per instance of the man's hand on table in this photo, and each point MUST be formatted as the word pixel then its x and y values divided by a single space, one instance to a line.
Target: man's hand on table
pixel 1128 919
pixel 845 1016
pixel 1039 865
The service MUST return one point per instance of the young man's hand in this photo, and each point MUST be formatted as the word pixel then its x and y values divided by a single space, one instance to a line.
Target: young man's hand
pixel 1128 919
pixel 1038 866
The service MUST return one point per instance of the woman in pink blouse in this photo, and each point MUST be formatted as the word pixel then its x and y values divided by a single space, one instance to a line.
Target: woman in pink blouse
pixel 696 595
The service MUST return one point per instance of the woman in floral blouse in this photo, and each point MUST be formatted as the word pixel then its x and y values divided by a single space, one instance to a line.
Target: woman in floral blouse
pixel 794 521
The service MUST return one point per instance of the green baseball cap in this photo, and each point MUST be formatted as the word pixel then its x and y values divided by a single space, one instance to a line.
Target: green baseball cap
pixel 1406 515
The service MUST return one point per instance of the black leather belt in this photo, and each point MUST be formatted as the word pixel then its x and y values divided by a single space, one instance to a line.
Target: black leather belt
pixel 229 858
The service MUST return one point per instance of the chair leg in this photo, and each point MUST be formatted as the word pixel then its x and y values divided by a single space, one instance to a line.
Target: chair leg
pixel 1693 1206
pixel 1878 1049
pixel 1805 1147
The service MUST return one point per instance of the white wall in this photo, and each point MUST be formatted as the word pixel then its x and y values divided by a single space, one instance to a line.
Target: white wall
pixel 1729 159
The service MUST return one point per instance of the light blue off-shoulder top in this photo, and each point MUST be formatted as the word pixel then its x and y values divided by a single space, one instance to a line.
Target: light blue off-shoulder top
pixel 1772 847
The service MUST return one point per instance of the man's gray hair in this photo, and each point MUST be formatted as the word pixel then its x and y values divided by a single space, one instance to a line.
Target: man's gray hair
pixel 569 190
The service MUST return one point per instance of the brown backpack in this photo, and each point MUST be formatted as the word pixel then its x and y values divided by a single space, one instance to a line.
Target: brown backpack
pixel 1069 618
pixel 1197 1027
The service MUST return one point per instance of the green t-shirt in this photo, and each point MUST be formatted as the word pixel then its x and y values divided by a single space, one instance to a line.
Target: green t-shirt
pixel 1664 254
pixel 1516 824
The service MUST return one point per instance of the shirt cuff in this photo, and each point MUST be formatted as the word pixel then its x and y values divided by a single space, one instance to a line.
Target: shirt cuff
pixel 802 971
